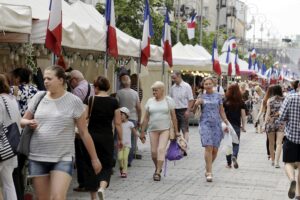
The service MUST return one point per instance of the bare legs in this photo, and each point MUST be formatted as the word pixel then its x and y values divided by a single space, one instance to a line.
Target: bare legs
pixel 210 156
pixel 53 187
pixel 271 137
pixel 279 138
pixel 159 141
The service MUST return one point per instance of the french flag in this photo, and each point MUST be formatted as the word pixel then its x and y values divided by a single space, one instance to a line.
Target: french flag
pixel 231 43
pixel 215 59
pixel 54 28
pixel 249 62
pixel 253 53
pixel 263 69
pixel 166 41
pixel 111 38
pixel 147 34
pixel 191 26
pixel 237 67
pixel 228 61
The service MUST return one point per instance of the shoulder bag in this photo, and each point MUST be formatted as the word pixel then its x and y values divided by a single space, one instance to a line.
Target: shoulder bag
pixel 24 145
pixel 9 137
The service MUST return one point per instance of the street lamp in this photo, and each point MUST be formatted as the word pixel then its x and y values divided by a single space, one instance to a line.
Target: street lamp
pixel 261 30
pixel 253 22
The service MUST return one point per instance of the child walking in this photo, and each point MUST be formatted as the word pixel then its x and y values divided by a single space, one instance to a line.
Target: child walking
pixel 127 129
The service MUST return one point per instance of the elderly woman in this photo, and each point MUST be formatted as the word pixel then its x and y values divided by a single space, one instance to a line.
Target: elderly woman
pixel 52 143
pixel 160 112
pixel 210 123
pixel 9 114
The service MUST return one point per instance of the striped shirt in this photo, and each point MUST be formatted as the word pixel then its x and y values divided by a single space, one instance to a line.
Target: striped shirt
pixel 53 140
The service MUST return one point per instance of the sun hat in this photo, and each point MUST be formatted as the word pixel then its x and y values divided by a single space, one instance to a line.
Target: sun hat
pixel 125 111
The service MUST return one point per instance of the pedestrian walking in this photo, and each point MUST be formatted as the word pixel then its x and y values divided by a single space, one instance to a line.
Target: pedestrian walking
pixel 9 114
pixel 82 89
pixel 23 90
pixel 129 98
pixel 257 100
pixel 52 143
pixel 103 113
pixel 159 118
pixel 210 124
pixel 262 114
pixel 127 129
pixel 181 92
pixel 236 115
pixel 290 113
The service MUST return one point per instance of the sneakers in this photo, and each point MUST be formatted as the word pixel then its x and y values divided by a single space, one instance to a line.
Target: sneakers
pixel 235 163
pixel 277 165
pixel 101 194
pixel 292 189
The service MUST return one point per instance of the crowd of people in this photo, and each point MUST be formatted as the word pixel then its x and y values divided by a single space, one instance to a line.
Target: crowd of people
pixel 88 128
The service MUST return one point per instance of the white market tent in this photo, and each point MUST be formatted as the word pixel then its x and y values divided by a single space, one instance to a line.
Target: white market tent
pixel 15 22
pixel 185 58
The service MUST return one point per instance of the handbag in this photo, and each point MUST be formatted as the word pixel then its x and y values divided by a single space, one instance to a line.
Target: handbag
pixel 9 138
pixel 24 144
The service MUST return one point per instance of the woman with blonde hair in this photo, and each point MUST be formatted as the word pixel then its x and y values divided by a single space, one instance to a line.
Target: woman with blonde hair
pixel 258 98
pixel 159 117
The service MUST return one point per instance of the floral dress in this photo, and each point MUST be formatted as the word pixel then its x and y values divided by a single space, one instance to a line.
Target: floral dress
pixel 210 120
pixel 23 93
pixel 275 104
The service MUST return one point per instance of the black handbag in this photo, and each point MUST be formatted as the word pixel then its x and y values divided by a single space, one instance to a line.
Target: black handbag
pixel 9 138
pixel 24 144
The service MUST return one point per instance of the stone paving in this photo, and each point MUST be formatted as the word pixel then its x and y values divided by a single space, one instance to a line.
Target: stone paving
pixel 255 178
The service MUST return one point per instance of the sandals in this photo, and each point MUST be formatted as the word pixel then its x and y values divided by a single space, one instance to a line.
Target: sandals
pixel 123 175
pixel 156 177
pixel 208 177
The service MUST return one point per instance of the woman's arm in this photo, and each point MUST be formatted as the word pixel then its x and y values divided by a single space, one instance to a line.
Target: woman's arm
pixel 118 126
pixel 223 115
pixel 28 120
pixel 268 112
pixel 88 142
pixel 144 124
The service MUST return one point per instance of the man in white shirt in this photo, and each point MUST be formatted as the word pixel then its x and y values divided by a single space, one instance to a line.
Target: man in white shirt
pixel 182 94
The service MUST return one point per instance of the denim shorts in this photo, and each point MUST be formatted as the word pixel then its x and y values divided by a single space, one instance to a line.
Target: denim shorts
pixel 37 168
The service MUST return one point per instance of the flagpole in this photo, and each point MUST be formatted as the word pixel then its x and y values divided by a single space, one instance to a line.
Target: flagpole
pixel 53 59
pixel 106 63
pixel 138 71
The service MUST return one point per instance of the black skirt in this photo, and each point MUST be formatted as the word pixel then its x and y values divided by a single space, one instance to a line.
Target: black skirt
pixel 291 151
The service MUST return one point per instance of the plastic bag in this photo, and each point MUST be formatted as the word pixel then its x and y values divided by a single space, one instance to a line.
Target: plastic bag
pixel 227 142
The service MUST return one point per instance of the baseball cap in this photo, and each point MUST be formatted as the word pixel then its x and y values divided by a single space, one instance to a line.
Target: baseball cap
pixel 125 110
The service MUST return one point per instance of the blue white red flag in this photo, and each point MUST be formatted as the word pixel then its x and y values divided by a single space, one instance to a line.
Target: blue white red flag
pixel 231 43
pixel 215 59
pixel 237 67
pixel 166 40
pixel 228 61
pixel 263 69
pixel 249 62
pixel 147 34
pixel 191 26
pixel 253 53
pixel 54 28
pixel 111 38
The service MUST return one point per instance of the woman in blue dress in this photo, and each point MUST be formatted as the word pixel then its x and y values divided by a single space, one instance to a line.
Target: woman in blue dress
pixel 210 124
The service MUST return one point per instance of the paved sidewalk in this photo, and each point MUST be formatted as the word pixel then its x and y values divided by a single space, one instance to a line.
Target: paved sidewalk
pixel 255 179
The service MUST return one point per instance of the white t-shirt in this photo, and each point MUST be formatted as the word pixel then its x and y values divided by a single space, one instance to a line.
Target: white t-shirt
pixel 126 128
pixel 53 139
pixel 159 113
